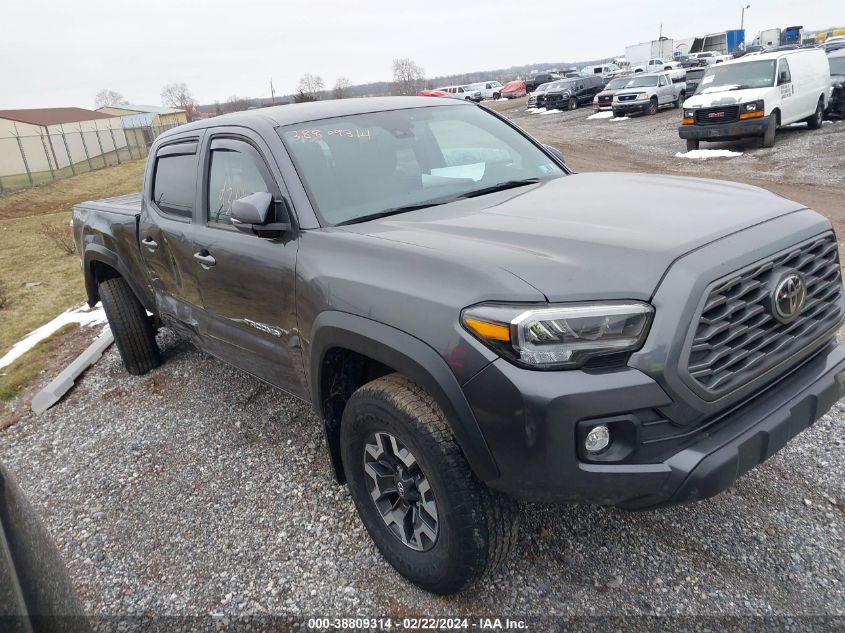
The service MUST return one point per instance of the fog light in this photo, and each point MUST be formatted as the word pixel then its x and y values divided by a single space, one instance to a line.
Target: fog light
pixel 598 439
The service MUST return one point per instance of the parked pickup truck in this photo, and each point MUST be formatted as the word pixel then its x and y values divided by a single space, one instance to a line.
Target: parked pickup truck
pixel 647 93
pixel 473 322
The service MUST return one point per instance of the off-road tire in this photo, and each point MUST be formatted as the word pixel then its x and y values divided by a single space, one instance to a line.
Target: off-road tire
pixel 768 139
pixel 477 527
pixel 133 332
pixel 652 107
pixel 815 121
pixel 572 104
pixel 692 144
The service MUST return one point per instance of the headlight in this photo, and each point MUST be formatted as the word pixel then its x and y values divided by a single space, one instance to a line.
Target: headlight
pixel 689 114
pixel 642 96
pixel 562 336
pixel 753 106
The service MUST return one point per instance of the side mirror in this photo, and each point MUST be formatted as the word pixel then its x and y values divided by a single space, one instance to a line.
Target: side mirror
pixel 251 214
pixel 555 152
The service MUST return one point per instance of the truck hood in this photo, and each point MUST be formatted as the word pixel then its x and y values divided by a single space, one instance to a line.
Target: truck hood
pixel 725 97
pixel 584 236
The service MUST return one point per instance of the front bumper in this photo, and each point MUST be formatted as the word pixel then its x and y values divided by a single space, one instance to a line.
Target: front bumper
pixel 726 131
pixel 532 421
pixel 631 106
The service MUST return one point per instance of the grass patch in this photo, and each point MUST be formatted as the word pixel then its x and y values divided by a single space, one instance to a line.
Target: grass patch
pixel 60 196
pixel 28 367
pixel 27 253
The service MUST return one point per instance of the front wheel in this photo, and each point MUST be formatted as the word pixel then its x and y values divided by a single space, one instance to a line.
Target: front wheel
pixel 692 144
pixel 497 95
pixel 768 139
pixel 573 103
pixel 433 521
pixel 618 114
pixel 815 121
pixel 652 107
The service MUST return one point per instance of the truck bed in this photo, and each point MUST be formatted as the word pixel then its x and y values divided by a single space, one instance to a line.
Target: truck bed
pixel 129 204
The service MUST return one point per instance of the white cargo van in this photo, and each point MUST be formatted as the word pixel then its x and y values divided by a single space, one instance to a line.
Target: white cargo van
pixel 753 96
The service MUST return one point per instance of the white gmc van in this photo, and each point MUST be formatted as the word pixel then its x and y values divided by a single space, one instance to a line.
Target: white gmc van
pixel 754 96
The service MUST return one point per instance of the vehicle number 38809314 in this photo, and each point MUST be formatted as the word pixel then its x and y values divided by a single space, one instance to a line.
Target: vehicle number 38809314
pixel 308 135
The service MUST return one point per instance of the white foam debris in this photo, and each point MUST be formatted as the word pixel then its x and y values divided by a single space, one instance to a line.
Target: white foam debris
pixel 704 154
pixel 82 315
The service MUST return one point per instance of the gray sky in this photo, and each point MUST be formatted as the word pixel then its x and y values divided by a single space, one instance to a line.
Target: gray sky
pixel 61 52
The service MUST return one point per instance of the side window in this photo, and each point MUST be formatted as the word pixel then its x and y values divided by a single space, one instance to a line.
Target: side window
pixel 663 81
pixel 175 180
pixel 232 174
pixel 784 76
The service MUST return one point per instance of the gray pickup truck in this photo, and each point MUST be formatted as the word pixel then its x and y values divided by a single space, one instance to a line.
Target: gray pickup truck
pixel 473 322
pixel 647 93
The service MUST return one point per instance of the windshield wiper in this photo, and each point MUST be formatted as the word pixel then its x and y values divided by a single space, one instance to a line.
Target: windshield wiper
pixel 394 211
pixel 508 184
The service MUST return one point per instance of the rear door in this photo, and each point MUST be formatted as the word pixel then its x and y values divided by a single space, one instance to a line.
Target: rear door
pixel 165 228
pixel 246 282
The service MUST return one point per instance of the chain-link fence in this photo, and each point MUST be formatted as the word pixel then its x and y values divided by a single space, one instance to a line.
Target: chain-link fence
pixel 29 161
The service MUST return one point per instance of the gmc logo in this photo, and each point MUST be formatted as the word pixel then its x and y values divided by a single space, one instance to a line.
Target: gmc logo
pixel 715 115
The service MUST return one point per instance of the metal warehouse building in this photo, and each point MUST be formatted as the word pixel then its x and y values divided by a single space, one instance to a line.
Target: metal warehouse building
pixel 42 144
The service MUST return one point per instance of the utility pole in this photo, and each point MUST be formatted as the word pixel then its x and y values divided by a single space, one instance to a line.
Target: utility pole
pixel 742 23
pixel 272 93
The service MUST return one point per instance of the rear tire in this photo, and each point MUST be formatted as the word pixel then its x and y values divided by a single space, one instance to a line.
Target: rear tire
pixel 692 144
pixel 473 528
pixel 680 100
pixel 815 121
pixel 130 325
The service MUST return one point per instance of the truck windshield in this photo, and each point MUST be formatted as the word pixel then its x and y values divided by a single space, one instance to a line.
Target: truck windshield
pixel 365 165
pixel 739 76
pixel 617 84
pixel 641 82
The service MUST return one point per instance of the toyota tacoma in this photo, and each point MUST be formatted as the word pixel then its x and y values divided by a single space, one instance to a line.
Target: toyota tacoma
pixel 475 323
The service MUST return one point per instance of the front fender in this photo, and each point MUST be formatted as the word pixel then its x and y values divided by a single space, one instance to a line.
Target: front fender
pixel 411 357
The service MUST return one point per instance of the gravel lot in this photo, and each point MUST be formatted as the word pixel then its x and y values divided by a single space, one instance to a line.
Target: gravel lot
pixel 198 490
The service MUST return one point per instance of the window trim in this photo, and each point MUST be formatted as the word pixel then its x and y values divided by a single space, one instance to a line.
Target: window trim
pixel 178 147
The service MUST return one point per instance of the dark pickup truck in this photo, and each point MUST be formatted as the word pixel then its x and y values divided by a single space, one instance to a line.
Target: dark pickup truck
pixel 474 322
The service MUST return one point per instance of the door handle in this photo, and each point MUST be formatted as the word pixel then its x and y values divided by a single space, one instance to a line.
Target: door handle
pixel 205 258
pixel 149 243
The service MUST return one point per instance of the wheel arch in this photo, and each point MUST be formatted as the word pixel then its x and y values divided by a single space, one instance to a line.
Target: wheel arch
pixel 99 264
pixel 347 351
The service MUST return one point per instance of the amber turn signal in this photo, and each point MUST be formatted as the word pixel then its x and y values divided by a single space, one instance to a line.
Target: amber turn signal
pixel 489 331
pixel 751 115
pixel 688 121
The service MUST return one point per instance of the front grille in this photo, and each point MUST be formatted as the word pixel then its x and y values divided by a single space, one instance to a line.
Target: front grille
pixel 722 114
pixel 627 97
pixel 605 100
pixel 738 339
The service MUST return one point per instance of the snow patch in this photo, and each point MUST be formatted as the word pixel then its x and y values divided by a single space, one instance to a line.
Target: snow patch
pixel 607 114
pixel 551 112
pixel 704 154
pixel 617 118
pixel 82 315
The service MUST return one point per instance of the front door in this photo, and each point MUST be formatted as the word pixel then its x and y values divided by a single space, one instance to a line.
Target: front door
pixel 247 283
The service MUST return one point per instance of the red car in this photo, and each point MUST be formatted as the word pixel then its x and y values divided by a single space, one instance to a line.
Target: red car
pixel 513 90
pixel 432 93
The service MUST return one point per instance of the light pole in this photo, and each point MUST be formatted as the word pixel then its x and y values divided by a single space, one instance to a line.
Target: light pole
pixel 742 23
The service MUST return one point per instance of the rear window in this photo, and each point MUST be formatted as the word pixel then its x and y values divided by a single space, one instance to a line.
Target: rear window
pixel 174 183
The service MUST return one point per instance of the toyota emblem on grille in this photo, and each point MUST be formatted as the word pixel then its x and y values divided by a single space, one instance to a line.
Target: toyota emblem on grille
pixel 789 296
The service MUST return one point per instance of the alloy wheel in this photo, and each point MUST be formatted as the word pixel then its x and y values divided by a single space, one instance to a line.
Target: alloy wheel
pixel 400 491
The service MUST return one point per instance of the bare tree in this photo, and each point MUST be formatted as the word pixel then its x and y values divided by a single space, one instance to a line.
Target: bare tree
pixel 341 87
pixel 310 86
pixel 178 95
pixel 108 97
pixel 236 104
pixel 408 78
